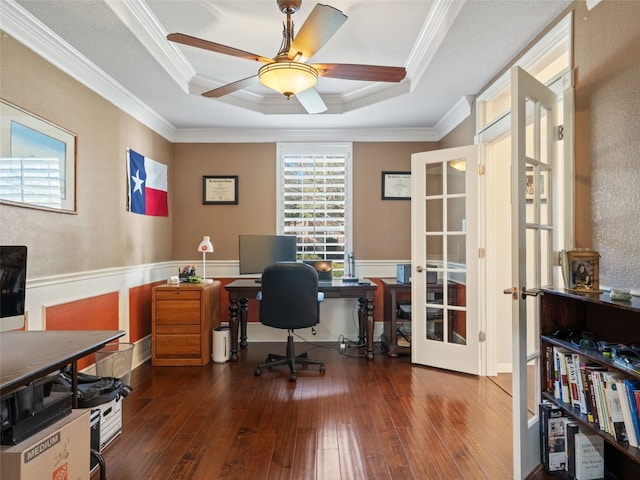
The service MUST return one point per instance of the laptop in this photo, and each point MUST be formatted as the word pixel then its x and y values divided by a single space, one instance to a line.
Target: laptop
pixel 324 269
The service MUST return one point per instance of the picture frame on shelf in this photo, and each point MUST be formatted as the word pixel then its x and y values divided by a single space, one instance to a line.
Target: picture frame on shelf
pixel 396 185
pixel 39 160
pixel 220 190
pixel 584 270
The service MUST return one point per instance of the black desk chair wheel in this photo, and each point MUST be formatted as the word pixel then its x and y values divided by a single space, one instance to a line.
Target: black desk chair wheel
pixel 289 300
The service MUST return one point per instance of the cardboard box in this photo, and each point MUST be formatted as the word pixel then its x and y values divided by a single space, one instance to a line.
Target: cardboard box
pixel 110 421
pixel 59 452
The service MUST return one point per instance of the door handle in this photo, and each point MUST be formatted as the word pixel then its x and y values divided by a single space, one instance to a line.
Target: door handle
pixel 419 269
pixel 513 291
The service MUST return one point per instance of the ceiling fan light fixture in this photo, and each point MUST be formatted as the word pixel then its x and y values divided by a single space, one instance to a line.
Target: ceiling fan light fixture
pixel 288 78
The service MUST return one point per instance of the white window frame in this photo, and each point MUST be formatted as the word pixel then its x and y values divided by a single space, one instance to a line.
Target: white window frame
pixel 306 149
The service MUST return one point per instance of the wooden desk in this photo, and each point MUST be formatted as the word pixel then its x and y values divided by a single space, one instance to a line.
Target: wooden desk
pixel 27 356
pixel 241 290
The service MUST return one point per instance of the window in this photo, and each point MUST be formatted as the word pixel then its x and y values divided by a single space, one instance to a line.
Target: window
pixel 314 200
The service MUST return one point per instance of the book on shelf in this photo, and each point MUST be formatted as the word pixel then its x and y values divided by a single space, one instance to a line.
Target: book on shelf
pixel 589 456
pixel 626 413
pixel 553 454
pixel 573 369
pixel 592 396
pixel 632 387
pixel 570 431
pixel 563 379
pixel 580 364
pixel 603 411
pixel 614 408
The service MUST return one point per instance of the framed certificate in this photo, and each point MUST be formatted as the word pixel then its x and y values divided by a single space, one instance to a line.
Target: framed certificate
pixel 220 190
pixel 396 185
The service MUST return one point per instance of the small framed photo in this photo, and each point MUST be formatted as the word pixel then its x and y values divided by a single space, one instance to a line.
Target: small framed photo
pixel 396 185
pixel 220 190
pixel 532 185
pixel 584 270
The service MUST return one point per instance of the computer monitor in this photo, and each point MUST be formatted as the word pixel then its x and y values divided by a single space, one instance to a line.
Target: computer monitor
pixel 13 278
pixel 259 251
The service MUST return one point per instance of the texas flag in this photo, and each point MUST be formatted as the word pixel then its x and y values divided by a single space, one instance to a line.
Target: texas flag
pixel 147 186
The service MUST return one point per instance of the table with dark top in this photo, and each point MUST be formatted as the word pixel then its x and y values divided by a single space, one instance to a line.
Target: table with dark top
pixel 26 356
pixel 240 291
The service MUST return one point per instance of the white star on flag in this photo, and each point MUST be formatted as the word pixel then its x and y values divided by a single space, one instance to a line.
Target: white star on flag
pixel 138 181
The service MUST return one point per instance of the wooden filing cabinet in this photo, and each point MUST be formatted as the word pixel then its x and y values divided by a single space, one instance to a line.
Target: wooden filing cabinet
pixel 183 316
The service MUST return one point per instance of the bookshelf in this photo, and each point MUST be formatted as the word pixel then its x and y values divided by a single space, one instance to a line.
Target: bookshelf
pixel 609 321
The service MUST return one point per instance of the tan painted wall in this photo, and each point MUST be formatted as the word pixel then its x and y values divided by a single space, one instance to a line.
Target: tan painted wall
pixel 380 229
pixel 255 166
pixel 102 234
pixel 607 57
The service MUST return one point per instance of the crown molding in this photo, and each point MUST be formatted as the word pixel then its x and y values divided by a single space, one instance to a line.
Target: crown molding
pixel 221 135
pixel 454 117
pixel 434 30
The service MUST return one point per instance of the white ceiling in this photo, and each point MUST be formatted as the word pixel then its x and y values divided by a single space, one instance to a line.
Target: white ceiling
pixel 450 48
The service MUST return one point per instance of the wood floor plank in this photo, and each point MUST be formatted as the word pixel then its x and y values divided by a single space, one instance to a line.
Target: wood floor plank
pixel 384 419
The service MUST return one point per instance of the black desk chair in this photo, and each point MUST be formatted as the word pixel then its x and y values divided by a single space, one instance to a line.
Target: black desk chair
pixel 289 299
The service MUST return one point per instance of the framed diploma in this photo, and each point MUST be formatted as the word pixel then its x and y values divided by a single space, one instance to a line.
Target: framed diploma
pixel 396 185
pixel 220 190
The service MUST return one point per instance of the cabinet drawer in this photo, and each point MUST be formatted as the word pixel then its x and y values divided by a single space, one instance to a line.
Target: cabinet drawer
pixel 177 346
pixel 176 294
pixel 173 329
pixel 177 312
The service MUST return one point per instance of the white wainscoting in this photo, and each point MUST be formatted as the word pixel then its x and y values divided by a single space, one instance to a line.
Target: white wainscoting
pixel 339 317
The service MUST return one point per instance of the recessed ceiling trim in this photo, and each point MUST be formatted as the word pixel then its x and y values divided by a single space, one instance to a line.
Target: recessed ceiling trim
pixel 391 91
pixel 438 22
pixel 454 117
pixel 141 21
pixel 221 135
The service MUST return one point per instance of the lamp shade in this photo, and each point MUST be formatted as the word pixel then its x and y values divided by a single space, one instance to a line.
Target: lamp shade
pixel 288 78
pixel 205 245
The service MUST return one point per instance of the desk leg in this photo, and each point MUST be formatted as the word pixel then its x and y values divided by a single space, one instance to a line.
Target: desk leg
pixel 233 326
pixel 244 302
pixel 362 334
pixel 74 383
pixel 366 316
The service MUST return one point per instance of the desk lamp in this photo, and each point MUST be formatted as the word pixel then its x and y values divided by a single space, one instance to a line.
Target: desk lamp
pixel 205 247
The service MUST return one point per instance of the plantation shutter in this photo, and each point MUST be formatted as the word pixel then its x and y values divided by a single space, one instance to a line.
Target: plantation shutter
pixel 314 200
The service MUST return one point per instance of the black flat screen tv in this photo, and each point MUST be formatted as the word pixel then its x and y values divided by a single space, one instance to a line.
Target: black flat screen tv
pixel 259 251
pixel 13 278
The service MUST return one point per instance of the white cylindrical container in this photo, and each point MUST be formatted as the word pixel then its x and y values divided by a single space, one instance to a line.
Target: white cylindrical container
pixel 221 344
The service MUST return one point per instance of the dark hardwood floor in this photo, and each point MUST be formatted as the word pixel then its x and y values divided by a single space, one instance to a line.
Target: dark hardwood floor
pixel 384 419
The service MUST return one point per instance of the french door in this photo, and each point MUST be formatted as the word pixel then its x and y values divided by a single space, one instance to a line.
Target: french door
pixel 444 256
pixel 534 119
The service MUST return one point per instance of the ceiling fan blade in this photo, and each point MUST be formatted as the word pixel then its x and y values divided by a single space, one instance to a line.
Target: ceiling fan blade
pixel 311 100
pixel 321 24
pixel 231 87
pixel 215 47
pixel 370 73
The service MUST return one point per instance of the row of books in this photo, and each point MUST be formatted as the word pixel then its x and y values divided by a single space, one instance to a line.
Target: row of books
pixel 564 447
pixel 608 398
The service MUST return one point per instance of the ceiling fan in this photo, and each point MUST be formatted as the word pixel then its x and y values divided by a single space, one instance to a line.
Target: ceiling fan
pixel 288 72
